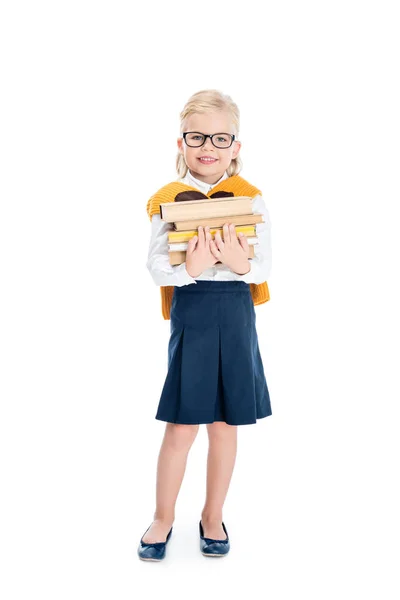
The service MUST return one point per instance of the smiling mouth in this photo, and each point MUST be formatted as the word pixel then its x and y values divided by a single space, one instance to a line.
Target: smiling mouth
pixel 207 161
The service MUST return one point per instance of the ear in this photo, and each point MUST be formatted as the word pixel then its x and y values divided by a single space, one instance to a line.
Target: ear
pixel 236 151
pixel 179 141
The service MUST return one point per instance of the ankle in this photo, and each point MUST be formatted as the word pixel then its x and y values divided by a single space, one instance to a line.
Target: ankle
pixel 164 519
pixel 209 518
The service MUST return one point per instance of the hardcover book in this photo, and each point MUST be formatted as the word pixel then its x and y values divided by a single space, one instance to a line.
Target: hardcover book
pixel 173 212
pixel 250 219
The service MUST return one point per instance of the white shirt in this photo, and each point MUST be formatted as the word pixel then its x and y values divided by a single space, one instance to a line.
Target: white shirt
pixel 163 273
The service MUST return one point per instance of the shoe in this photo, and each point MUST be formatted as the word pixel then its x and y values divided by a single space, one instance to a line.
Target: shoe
pixel 155 551
pixel 210 547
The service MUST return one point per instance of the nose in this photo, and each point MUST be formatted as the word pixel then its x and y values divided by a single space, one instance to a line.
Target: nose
pixel 207 143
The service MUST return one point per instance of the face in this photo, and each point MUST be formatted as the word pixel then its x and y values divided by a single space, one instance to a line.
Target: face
pixel 215 122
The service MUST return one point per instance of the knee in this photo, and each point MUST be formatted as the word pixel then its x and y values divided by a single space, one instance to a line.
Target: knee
pixel 181 436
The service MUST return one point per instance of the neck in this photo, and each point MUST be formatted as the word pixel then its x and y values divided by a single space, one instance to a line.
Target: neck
pixel 211 180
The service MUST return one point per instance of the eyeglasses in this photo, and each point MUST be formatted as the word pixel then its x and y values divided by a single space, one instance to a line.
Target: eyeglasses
pixel 195 139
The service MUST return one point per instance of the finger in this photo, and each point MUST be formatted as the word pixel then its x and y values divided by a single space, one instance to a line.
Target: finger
pixel 207 234
pixel 233 234
pixel 201 236
pixel 227 235
pixel 191 244
pixel 218 240
pixel 243 240
pixel 214 249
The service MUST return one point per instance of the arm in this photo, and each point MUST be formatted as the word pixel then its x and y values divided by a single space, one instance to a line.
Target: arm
pixel 162 272
pixel 260 265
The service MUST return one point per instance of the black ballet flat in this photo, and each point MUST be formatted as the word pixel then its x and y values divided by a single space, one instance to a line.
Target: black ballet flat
pixel 210 547
pixel 155 551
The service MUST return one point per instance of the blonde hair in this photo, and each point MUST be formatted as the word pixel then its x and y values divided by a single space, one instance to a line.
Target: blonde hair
pixel 210 101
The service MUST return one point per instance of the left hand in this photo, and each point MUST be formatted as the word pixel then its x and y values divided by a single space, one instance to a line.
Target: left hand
pixel 231 251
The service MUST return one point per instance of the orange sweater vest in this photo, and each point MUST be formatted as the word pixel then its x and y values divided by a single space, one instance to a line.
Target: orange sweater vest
pixel 235 184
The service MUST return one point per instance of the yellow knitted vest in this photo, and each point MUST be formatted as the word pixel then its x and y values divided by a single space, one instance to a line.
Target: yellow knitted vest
pixel 235 184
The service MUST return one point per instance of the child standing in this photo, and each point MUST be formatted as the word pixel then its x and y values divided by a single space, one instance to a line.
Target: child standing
pixel 215 372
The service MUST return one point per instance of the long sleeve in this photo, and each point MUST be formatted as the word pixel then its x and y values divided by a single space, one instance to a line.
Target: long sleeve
pixel 162 272
pixel 260 265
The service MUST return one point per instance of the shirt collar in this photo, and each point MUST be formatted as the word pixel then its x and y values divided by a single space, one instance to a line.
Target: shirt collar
pixel 201 185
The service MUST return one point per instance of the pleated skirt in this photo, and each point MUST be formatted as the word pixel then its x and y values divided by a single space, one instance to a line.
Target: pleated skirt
pixel 215 370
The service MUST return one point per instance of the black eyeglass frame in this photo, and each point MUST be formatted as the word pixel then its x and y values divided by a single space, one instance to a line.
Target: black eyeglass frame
pixel 206 135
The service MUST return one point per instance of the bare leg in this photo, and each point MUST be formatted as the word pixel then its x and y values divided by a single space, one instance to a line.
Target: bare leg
pixel 171 466
pixel 220 463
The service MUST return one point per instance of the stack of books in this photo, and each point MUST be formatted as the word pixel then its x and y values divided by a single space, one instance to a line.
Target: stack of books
pixel 187 216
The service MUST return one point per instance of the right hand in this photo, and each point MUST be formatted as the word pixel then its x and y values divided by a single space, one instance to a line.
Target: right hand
pixel 198 254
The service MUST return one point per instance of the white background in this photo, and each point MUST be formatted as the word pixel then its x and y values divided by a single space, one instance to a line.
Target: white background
pixel 90 102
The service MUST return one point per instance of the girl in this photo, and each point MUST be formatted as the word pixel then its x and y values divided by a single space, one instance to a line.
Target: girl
pixel 215 372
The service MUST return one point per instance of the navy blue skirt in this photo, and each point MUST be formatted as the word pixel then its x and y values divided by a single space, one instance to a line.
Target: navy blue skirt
pixel 215 371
